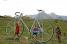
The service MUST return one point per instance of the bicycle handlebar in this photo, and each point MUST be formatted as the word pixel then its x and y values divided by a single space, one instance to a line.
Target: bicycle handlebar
pixel 19 13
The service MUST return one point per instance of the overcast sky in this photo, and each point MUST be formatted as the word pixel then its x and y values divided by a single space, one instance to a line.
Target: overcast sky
pixel 28 7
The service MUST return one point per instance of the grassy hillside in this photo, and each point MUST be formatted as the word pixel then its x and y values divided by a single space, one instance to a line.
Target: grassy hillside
pixel 7 30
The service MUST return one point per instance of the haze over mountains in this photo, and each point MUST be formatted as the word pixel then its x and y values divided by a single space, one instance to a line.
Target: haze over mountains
pixel 43 15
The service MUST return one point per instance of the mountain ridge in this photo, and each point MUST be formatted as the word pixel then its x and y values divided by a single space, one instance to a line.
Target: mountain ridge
pixel 43 15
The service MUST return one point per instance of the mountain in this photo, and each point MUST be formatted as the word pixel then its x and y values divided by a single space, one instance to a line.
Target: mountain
pixel 43 15
pixel 40 15
pixel 63 17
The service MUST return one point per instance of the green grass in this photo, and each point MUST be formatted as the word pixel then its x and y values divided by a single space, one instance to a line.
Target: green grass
pixel 47 24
